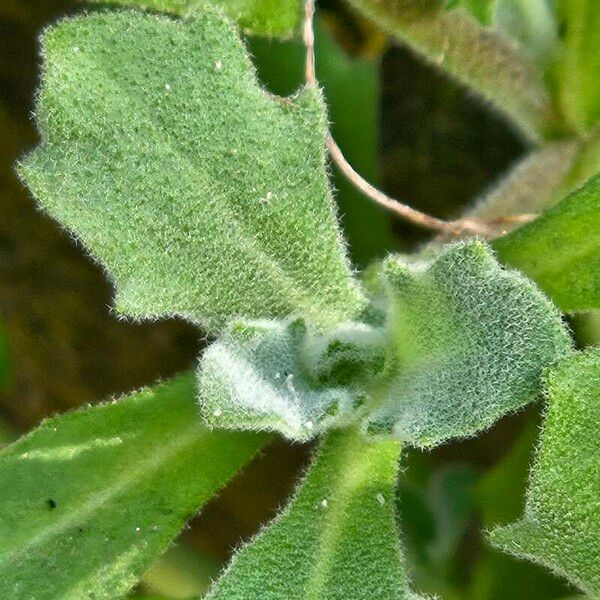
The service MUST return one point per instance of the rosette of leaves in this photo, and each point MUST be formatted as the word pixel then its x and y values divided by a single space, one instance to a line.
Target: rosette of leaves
pixel 204 196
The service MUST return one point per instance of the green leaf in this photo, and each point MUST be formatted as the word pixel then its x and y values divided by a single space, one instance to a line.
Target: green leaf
pixel 560 250
pixel 262 17
pixel 200 193
pixel 336 540
pixel 579 62
pixel 480 58
pixel 281 376
pixel 351 89
pixel 561 525
pixel 91 497
pixel 470 339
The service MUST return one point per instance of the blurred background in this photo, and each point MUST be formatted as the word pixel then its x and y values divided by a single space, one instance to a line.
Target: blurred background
pixel 405 128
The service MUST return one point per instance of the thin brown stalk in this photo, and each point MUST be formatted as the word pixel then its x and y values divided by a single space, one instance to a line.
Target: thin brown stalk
pixel 456 227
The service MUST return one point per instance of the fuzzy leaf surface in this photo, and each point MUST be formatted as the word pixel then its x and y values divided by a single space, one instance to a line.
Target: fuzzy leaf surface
pixel 261 17
pixel 561 525
pixel 479 57
pixel 470 339
pixel 281 376
pixel 91 497
pixel 560 250
pixel 336 540
pixel 200 193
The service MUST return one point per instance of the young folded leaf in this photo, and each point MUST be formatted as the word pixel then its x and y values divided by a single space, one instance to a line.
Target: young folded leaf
pixel 560 250
pixel 336 540
pixel 561 525
pixel 261 17
pixel 200 193
pixel 471 340
pixel 277 375
pixel 479 57
pixel 91 497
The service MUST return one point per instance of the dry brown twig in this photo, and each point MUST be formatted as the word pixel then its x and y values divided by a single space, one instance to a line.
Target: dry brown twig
pixel 457 227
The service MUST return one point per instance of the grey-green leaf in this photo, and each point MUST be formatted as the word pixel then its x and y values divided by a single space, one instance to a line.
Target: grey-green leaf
pixel 471 340
pixel 91 497
pixel 261 17
pixel 200 193
pixel 561 525
pixel 479 57
pixel 560 250
pixel 283 376
pixel 336 540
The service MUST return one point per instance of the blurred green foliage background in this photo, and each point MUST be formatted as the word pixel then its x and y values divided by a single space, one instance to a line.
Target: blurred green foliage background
pixel 404 127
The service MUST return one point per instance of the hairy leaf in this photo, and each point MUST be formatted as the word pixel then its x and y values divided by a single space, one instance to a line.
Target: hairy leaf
pixel 479 57
pixel 263 17
pixel 200 193
pixel 278 375
pixel 561 525
pixel 579 61
pixel 91 497
pixel 351 90
pixel 471 340
pixel 560 250
pixel 336 540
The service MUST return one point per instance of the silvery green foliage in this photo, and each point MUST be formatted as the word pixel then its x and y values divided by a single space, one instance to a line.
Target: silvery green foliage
pixel 462 342
pixel 288 377
pixel 336 540
pixel 200 193
pixel 470 340
pixel 561 525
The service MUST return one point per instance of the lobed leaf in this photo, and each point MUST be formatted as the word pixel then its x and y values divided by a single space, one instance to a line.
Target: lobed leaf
pixel 561 525
pixel 579 61
pixel 351 89
pixel 470 341
pixel 337 538
pixel 91 497
pixel 281 376
pixel 560 250
pixel 199 192
pixel 479 57
pixel 261 17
